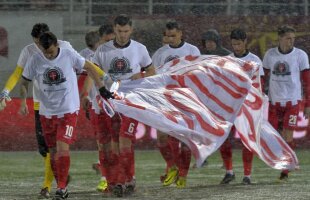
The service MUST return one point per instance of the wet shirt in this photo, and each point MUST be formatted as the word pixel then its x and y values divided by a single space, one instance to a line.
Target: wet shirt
pixel 57 82
pixel 168 53
pixel 284 82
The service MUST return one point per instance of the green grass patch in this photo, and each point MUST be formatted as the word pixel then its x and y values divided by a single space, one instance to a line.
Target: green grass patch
pixel 21 176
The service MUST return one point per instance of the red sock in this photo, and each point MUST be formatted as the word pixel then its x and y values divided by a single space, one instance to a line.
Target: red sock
pixel 103 163
pixel 247 158
pixel 54 164
pixel 226 153
pixel 112 169
pixel 166 153
pixel 126 160
pixel 132 171
pixel 63 165
pixel 175 149
pixel 184 160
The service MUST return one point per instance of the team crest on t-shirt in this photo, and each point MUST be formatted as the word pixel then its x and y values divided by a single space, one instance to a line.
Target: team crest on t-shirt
pixel 281 69
pixel 169 58
pixel 53 76
pixel 119 66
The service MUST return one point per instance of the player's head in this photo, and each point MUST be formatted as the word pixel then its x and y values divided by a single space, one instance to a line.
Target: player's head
pixel 122 29
pixel 286 36
pixel 37 30
pixel 238 40
pixel 48 45
pixel 211 40
pixel 106 33
pixel 174 33
pixel 165 39
pixel 92 39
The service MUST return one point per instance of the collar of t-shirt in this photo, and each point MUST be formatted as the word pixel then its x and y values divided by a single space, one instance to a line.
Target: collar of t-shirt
pixel 180 45
pixel 120 46
pixel 243 55
pixel 285 52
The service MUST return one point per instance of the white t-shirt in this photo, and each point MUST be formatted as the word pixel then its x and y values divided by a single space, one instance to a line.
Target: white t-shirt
pixel 88 54
pixel 122 63
pixel 57 82
pixel 29 51
pixel 252 57
pixel 168 53
pixel 284 82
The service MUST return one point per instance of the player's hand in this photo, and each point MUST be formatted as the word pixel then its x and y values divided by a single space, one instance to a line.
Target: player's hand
pixel 85 101
pixel 137 76
pixel 307 112
pixel 23 110
pixel 106 93
pixel 4 96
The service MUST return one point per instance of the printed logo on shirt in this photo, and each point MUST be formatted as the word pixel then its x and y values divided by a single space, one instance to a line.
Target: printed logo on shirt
pixel 281 69
pixel 53 76
pixel 169 58
pixel 119 66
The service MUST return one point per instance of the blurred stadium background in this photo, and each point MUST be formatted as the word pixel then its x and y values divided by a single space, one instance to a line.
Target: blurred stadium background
pixel 72 19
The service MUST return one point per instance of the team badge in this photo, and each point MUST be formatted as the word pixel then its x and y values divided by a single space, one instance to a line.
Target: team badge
pixel 53 76
pixel 119 66
pixel 281 69
pixel 169 58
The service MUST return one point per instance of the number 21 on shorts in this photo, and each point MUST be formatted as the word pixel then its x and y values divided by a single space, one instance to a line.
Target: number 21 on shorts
pixel 292 120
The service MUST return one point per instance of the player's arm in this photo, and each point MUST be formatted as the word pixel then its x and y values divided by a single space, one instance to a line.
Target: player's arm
pixel 24 83
pixel 146 71
pixel 305 77
pixel 96 73
pixel 10 84
pixel 85 101
pixel 265 81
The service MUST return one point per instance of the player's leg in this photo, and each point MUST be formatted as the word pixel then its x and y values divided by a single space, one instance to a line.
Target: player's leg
pixel 43 150
pixel 65 137
pixel 112 152
pixel 226 154
pixel 247 158
pixel 165 151
pixel 126 153
pixel 289 124
pixel 104 147
pixel 184 163
pixel 173 171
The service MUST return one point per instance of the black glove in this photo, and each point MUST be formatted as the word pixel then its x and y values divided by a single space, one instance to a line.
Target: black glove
pixel 106 93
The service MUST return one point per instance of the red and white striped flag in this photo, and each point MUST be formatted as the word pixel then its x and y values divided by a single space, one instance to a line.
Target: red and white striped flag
pixel 198 99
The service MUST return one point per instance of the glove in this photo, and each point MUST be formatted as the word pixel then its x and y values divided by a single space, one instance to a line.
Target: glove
pixel 4 96
pixel 106 93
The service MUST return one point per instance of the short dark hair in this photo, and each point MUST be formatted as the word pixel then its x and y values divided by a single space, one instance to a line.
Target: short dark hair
pixel 47 39
pixel 38 29
pixel 105 29
pixel 173 25
pixel 122 20
pixel 91 38
pixel 238 34
pixel 285 29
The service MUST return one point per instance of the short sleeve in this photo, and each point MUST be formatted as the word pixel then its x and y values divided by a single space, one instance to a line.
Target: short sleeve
pixel 29 67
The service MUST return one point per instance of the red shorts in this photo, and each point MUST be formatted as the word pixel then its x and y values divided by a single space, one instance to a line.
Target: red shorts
pixel 115 127
pixel 286 115
pixel 59 129
pixel 94 120
pixel 103 128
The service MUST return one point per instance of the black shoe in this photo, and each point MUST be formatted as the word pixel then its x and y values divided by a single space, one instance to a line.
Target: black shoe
pixel 130 187
pixel 283 176
pixel 246 181
pixel 118 190
pixel 228 178
pixel 44 194
pixel 61 194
